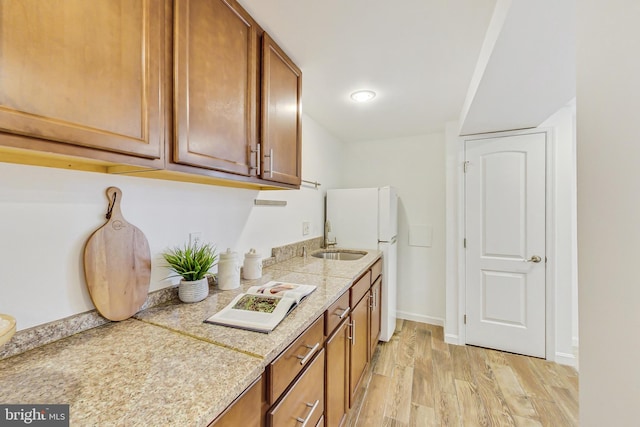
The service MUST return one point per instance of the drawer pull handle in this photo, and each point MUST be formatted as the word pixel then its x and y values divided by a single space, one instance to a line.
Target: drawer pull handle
pixel 344 313
pixel 372 301
pixel 313 407
pixel 312 350
pixel 352 325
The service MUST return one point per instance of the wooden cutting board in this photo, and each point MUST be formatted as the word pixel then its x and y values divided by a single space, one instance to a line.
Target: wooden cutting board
pixel 117 264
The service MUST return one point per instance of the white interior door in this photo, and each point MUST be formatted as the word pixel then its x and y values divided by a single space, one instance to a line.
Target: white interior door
pixel 505 243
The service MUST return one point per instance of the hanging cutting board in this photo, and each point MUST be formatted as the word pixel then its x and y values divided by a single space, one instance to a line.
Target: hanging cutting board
pixel 117 264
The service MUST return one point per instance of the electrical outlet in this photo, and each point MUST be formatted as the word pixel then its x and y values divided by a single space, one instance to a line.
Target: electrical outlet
pixel 195 238
pixel 306 227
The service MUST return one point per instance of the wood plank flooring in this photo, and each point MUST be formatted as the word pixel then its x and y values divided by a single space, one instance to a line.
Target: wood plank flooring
pixel 417 380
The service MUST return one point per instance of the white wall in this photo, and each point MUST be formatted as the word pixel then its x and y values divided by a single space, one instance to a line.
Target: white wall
pixel 608 149
pixel 46 216
pixel 564 193
pixel 415 166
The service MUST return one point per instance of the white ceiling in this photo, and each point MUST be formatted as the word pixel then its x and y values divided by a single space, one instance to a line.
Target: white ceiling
pixel 418 55
pixel 527 68
pixel 426 61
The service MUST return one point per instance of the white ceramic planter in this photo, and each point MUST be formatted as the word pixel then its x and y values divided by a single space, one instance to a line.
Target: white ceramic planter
pixel 193 291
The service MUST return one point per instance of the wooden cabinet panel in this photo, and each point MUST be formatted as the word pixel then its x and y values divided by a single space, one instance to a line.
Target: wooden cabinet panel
pixel 281 115
pixel 360 288
pixel 376 270
pixel 84 73
pixel 336 313
pixel 294 359
pixel 246 410
pixel 305 399
pixel 216 79
pixel 375 315
pixel 359 346
pixel 337 376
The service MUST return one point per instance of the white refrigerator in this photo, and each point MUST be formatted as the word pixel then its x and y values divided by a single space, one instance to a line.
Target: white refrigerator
pixel 367 218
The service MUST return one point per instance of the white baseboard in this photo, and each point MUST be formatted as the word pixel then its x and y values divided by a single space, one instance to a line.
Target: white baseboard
pixel 566 359
pixel 452 339
pixel 420 318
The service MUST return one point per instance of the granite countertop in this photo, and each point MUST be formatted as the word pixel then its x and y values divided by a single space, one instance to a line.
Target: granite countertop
pixel 165 366
pixel 130 373
pixel 331 277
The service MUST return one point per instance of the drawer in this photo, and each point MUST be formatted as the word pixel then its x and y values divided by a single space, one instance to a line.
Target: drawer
pixel 303 404
pixel 376 270
pixel 337 312
pixel 360 288
pixel 292 361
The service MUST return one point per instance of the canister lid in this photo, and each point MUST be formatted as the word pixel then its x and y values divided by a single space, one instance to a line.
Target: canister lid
pixel 252 254
pixel 228 254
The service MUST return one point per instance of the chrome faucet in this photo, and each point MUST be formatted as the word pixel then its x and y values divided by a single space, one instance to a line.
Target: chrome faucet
pixel 327 242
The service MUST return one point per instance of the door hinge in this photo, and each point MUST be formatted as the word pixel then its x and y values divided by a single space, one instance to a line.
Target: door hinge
pixel 464 242
pixel 465 165
pixel 465 319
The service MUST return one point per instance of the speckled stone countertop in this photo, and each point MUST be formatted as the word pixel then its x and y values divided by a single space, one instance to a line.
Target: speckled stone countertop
pixel 129 373
pixel 331 277
pixel 165 366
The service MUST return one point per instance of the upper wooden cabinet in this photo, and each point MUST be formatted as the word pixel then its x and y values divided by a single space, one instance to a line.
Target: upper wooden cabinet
pixel 104 85
pixel 82 75
pixel 281 115
pixel 215 86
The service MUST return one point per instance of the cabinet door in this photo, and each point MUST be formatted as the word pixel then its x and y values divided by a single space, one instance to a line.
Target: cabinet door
pixel 250 402
pixel 281 115
pixel 359 346
pixel 215 89
pixel 337 376
pixel 83 73
pixel 375 307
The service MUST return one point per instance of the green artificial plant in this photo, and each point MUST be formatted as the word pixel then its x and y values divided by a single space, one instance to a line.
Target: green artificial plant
pixel 192 262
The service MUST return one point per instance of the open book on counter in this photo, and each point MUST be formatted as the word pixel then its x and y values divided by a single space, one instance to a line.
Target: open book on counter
pixel 262 308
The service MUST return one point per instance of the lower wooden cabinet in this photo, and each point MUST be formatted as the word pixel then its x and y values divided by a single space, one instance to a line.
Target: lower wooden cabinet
pixel 252 402
pixel 337 375
pixel 375 308
pixel 315 381
pixel 359 346
pixel 303 403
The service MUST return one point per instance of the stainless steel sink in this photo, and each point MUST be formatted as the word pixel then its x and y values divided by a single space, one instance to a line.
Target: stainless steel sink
pixel 340 255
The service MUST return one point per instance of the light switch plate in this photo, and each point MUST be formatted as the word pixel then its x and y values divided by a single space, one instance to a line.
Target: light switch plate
pixel 306 228
pixel 195 237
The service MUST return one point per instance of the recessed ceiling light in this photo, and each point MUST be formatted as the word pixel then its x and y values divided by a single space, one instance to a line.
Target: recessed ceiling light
pixel 363 95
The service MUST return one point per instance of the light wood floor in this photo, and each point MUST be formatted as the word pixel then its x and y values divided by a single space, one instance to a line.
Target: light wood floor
pixel 418 380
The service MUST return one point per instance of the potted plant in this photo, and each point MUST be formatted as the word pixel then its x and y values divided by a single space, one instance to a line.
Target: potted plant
pixel 191 262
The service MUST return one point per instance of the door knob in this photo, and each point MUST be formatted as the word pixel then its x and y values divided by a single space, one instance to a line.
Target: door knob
pixel 534 258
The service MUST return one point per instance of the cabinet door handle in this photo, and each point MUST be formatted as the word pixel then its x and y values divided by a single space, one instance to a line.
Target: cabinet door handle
pixel 312 350
pixel 352 325
pixel 257 166
pixel 372 300
pixel 344 313
pixel 305 420
pixel 270 156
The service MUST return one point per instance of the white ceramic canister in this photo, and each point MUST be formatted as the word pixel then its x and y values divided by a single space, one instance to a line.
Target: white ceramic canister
pixel 252 266
pixel 228 271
